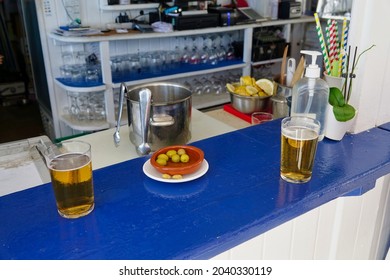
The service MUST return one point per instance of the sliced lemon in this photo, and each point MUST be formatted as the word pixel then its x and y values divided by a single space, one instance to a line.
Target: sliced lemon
pixel 246 80
pixel 266 85
pixel 261 93
pixel 231 88
pixel 241 90
pixel 254 82
pixel 251 90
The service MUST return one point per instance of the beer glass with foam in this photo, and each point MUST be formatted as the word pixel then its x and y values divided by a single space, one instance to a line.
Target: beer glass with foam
pixel 70 167
pixel 298 148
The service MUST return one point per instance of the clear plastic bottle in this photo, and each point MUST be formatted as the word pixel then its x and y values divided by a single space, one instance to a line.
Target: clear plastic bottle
pixel 274 6
pixel 311 93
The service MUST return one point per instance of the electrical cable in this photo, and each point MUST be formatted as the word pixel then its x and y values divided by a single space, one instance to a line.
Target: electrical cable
pixel 74 22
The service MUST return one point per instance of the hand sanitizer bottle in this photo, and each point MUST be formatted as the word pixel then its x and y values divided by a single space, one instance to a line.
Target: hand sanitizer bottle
pixel 310 94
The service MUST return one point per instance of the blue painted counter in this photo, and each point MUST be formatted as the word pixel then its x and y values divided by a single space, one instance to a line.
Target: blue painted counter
pixel 240 197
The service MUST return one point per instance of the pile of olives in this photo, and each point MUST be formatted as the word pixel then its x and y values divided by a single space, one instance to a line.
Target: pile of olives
pixel 175 156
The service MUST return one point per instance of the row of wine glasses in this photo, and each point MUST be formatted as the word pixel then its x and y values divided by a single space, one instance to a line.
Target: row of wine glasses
pixel 215 84
pixel 191 50
pixel 85 106
pixel 207 48
pixel 81 73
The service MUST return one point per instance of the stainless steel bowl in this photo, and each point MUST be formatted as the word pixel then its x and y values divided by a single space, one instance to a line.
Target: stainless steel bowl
pixel 250 104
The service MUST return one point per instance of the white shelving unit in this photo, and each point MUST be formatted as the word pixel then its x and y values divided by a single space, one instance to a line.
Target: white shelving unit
pixel 108 44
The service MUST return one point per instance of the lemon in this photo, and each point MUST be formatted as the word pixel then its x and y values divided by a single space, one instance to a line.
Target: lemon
pixel 266 85
pixel 254 82
pixel 241 90
pixel 251 90
pixel 231 88
pixel 246 80
pixel 261 93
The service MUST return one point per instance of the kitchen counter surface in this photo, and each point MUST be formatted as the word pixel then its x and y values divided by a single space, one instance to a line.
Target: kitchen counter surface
pixel 24 159
pixel 240 197
pixel 225 117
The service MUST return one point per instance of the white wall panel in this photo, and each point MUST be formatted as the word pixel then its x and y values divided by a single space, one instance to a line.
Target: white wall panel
pixel 304 236
pixel 325 230
pixel 278 242
pixel 348 228
pixel 371 87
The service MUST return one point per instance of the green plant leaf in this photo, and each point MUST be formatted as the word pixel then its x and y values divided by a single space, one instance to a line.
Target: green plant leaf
pixel 336 97
pixel 344 113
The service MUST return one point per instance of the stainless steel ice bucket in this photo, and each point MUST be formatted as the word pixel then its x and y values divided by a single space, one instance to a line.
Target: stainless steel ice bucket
pixel 164 120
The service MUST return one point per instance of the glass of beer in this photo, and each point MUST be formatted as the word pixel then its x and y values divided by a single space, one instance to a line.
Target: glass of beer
pixel 298 148
pixel 70 167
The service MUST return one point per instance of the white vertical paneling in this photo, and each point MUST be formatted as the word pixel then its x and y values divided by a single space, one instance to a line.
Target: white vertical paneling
pixel 91 14
pixel 304 236
pixel 250 250
pixel 371 86
pixel 348 227
pixel 223 256
pixel 370 218
pixel 278 242
pixel 353 227
pixel 325 230
pixel 381 239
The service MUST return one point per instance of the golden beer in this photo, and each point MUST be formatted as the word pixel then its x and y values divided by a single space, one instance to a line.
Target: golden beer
pixel 298 149
pixel 71 176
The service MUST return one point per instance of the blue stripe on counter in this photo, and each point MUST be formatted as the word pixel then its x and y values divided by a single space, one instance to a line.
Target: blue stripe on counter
pixel 240 196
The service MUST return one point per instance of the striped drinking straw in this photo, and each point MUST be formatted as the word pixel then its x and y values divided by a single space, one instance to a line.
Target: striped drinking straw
pixel 345 35
pixel 343 46
pixel 322 44
pixel 332 47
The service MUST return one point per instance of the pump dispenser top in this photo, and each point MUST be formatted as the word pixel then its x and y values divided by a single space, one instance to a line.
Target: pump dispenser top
pixel 312 70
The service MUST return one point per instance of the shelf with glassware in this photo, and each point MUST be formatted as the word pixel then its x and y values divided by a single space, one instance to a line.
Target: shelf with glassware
pixel 121 61
pixel 165 58
pixel 85 110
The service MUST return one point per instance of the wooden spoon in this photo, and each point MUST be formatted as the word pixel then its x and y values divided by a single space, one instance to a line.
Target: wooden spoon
pixel 283 68
pixel 298 71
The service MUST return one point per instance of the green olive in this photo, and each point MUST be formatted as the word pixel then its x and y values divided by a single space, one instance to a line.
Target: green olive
pixel 161 161
pixel 163 156
pixel 184 158
pixel 175 158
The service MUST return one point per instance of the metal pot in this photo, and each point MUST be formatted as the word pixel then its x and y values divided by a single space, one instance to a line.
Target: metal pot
pixel 250 104
pixel 279 106
pixel 159 115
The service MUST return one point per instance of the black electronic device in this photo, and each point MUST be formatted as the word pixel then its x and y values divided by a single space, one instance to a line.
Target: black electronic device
pixel 188 22
pixel 267 45
pixel 226 16
pixel 289 9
